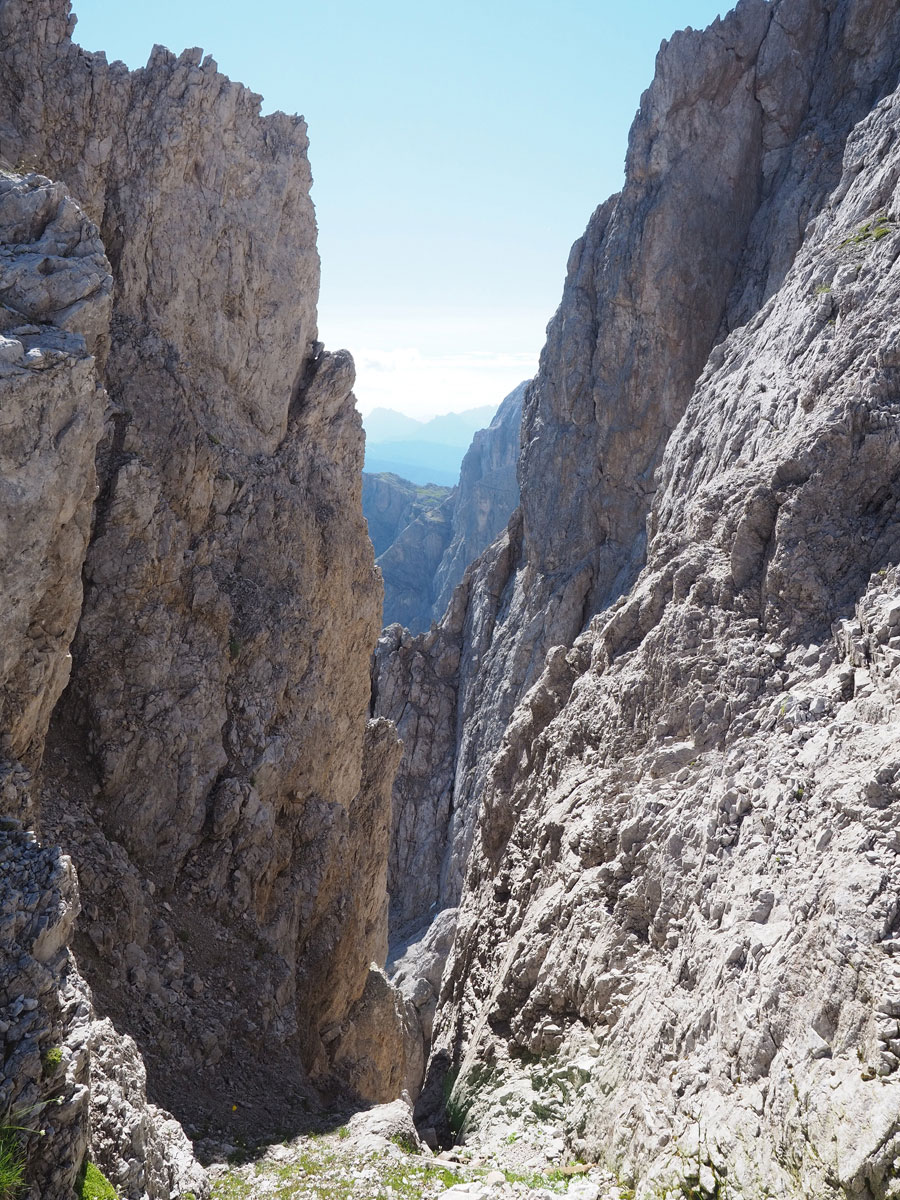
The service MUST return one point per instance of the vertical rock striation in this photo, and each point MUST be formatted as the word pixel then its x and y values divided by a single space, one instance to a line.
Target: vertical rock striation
pixel 487 495
pixel 676 934
pixel 209 768
pixel 736 146
pixel 54 305
pixel 55 302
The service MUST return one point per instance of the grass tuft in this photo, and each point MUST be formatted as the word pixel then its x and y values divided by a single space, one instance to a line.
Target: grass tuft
pixel 12 1164
pixel 93 1185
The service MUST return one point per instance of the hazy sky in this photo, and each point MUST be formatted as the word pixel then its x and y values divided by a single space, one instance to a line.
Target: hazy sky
pixel 458 149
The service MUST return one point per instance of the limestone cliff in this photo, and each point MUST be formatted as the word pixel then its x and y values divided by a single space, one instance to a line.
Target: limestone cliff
pixel 427 557
pixel 390 503
pixel 675 932
pixel 209 768
pixel 59 1062
pixel 487 495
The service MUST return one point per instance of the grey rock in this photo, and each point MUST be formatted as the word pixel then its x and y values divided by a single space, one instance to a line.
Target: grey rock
pixel 390 503
pixel 638 781
pixel 688 251
pixel 53 422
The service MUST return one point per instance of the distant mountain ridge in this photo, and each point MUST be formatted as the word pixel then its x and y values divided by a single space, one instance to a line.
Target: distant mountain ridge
pixel 422 451
pixel 425 537
pixel 447 429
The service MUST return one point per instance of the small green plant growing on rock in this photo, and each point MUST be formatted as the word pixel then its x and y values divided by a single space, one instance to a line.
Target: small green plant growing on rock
pixel 455 1108
pixel 13 1133
pixel 51 1060
pixel 92 1184
pixel 871 231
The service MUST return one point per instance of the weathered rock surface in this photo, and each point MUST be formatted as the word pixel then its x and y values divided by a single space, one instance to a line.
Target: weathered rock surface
pixel 675 941
pixel 427 558
pixel 209 768
pixel 45 1015
pixel 736 146
pixel 55 289
pixel 410 565
pixel 486 497
pixel 416 967
pixel 390 503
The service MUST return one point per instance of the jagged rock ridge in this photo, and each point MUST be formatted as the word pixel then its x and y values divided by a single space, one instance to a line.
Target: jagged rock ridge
pixel 675 932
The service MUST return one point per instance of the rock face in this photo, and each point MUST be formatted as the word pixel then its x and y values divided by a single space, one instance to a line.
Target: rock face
pixel 410 565
pixel 209 768
pixel 427 558
pixel 672 722
pixel 56 289
pixel 55 286
pixel 486 497
pixel 390 503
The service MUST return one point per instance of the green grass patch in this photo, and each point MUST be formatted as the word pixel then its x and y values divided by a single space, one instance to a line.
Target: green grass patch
pixel 93 1185
pixel 328 1174
pixel 871 231
pixel 51 1060
pixel 12 1164
pixel 553 1181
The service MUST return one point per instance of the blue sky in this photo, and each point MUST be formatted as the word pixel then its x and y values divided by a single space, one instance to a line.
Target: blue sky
pixel 457 149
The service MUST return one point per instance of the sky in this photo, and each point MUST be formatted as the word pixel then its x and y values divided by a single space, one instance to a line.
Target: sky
pixel 457 149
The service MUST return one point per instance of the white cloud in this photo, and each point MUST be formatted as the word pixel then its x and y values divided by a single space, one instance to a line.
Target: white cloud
pixel 423 385
pixel 427 362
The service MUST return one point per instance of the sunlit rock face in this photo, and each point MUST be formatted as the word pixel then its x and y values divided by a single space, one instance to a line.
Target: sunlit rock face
pixel 667 776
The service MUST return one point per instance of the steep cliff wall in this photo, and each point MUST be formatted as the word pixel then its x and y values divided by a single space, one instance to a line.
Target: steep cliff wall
pixel 675 937
pixel 390 503
pixel 487 495
pixel 736 146
pixel 209 768
pixel 58 1061
pixel 618 774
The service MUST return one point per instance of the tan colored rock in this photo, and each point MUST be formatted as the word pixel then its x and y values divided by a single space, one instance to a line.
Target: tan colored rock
pixel 56 290
pixel 207 768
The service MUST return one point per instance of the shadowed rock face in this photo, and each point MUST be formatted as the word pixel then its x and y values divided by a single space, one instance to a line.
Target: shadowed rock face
pixel 390 503
pixel 55 289
pixel 427 556
pixel 209 767
pixel 634 752
pixel 486 497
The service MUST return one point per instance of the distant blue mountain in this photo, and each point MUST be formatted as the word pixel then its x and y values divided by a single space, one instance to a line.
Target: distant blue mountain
pixel 420 462
pixel 422 451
